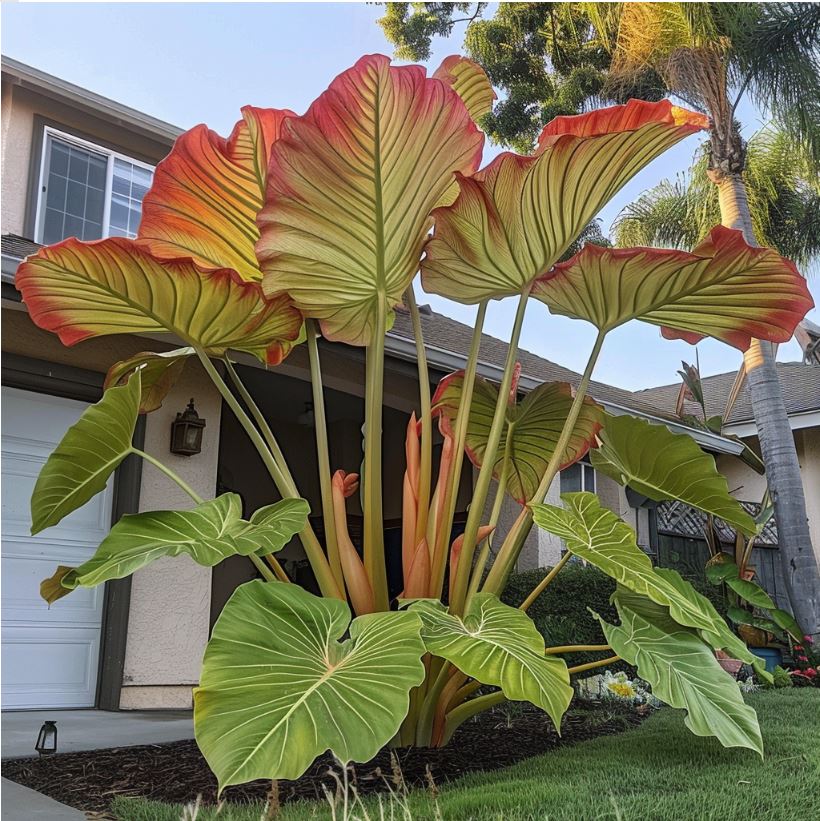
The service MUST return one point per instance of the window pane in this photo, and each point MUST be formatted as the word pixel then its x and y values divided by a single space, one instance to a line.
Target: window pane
pixel 589 477
pixel 75 201
pixel 53 226
pixel 97 167
pixel 92 230
pixel 59 158
pixel 78 165
pixel 129 186
pixel 73 227
pixel 55 192
pixel 571 479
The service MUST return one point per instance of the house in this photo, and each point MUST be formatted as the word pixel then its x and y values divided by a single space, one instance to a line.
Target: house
pixel 75 163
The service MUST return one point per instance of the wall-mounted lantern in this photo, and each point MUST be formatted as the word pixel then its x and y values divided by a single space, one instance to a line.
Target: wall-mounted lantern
pixel 186 432
pixel 47 738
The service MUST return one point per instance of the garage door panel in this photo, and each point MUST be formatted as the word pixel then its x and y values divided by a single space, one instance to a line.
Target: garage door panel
pixel 54 670
pixel 50 655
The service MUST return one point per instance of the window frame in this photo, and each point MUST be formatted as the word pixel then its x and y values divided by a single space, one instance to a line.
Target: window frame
pixel 586 469
pixel 50 133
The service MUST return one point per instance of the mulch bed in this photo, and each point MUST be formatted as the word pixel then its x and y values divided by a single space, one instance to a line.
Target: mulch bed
pixel 177 772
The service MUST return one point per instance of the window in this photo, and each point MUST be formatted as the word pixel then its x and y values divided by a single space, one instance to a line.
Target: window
pixel 87 191
pixel 580 476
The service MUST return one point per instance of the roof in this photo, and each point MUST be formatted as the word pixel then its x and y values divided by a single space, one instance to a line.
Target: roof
pixel 800 384
pixel 20 74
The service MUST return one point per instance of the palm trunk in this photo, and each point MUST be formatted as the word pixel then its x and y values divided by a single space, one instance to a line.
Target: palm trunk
pixel 776 440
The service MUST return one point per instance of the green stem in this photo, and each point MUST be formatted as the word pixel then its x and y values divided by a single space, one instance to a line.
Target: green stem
pixel 582 668
pixel 323 453
pixel 453 480
pixel 169 473
pixel 485 475
pixel 313 550
pixel 277 568
pixel 266 572
pixel 575 648
pixel 507 556
pixel 545 582
pixel 427 714
pixel 374 562
pixel 457 716
pixel 501 489
pixel 426 461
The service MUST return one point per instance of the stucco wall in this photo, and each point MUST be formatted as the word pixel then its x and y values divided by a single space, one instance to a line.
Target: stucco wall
pixel 18 121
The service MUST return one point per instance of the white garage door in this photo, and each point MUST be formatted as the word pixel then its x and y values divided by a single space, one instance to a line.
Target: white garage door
pixel 50 655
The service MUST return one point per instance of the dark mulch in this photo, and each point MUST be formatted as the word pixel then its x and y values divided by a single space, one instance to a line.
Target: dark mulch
pixel 177 772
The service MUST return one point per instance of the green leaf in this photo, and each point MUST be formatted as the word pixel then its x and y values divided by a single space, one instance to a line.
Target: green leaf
pixel 278 688
pixel 158 372
pixel 786 621
pixel 209 533
pixel 664 465
pixel 533 428
pixel 751 592
pixel 87 455
pixel 598 536
pixel 683 672
pixel 740 616
pixel 720 568
pixel 499 645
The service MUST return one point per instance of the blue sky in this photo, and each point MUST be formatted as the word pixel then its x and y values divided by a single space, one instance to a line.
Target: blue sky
pixel 199 62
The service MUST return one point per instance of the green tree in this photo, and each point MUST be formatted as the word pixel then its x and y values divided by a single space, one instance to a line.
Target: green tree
pixel 710 55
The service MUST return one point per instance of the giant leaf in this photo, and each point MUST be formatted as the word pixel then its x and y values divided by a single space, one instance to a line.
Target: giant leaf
pixel 278 687
pixel 87 455
pixel 683 672
pixel 499 645
pixel 158 373
pixel 664 465
pixel 469 81
pixel 113 286
pixel 209 533
pixel 207 191
pixel 725 288
pixel 532 431
pixel 515 218
pixel 351 185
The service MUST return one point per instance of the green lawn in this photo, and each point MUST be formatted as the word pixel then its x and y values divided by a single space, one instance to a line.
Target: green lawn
pixel 657 771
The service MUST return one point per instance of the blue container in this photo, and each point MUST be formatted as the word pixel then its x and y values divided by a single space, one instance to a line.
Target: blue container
pixel 771 655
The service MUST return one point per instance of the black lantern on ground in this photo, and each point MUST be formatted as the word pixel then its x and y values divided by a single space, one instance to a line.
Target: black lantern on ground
pixel 47 738
pixel 186 432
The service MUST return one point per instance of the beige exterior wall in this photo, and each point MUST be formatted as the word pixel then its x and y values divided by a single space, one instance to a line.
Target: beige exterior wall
pixel 18 122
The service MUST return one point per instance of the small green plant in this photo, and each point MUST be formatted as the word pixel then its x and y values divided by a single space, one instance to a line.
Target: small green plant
pixel 297 227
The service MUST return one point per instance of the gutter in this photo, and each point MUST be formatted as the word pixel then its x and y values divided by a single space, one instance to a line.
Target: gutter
pixel 440 358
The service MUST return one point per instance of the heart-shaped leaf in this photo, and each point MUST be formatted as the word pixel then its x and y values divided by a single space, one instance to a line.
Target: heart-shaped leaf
pixel 87 455
pixel 207 192
pixel 209 533
pixel 725 289
pixel 664 465
pixel 515 218
pixel 532 431
pixel 499 645
pixel 158 372
pixel 351 186
pixel 113 286
pixel 683 672
pixel 598 536
pixel 278 688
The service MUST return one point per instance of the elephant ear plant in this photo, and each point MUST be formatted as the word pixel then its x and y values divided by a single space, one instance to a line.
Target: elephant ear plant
pixel 297 227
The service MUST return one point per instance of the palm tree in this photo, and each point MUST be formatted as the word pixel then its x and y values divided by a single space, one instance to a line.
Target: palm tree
pixel 710 55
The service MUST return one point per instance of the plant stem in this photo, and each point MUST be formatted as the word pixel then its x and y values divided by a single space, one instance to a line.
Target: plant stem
pixel 575 648
pixel 581 668
pixel 485 475
pixel 426 461
pixel 455 718
pixel 266 572
pixel 323 453
pixel 277 568
pixel 508 554
pixel 169 473
pixel 315 554
pixel 374 562
pixel 544 583
pixel 453 480
pixel 427 713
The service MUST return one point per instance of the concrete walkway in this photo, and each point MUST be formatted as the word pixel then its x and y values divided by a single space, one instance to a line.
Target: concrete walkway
pixel 93 729
pixel 79 730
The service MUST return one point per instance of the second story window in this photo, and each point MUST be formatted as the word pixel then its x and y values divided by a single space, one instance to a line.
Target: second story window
pixel 580 476
pixel 88 192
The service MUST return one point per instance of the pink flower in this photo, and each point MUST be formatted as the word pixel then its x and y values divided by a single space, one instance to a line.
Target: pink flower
pixel 802 658
pixel 808 639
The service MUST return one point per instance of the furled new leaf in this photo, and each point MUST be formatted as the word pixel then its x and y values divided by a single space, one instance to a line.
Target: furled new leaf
pixel 207 192
pixel 499 645
pixel 158 372
pixel 683 671
pixel 87 455
pixel 278 687
pixel 515 218
pixel 725 289
pixel 209 533
pixel 534 426
pixel 598 536
pixel 351 185
pixel 664 465
pixel 113 286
